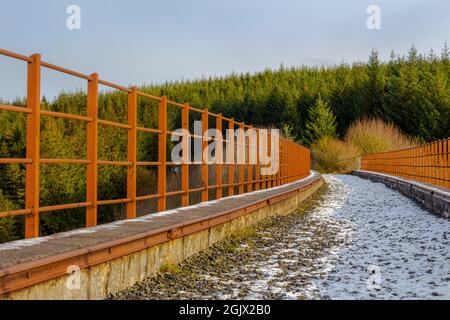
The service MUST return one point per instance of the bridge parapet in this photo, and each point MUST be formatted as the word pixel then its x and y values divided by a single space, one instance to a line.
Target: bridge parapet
pixel 95 262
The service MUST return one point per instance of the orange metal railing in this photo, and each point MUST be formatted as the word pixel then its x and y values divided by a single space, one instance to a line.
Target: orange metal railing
pixel 429 163
pixel 294 159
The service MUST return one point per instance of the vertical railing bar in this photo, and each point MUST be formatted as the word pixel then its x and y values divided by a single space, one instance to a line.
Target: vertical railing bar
pixel 219 156
pixel 92 152
pixel 241 150
pixel 448 163
pixel 132 153
pixel 249 159
pixel 32 184
pixel 186 156
pixel 231 165
pixel 258 166
pixel 205 143
pixel 162 157
pixel 269 153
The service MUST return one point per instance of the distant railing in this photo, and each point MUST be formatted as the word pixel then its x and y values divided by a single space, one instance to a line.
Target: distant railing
pixel 294 159
pixel 429 163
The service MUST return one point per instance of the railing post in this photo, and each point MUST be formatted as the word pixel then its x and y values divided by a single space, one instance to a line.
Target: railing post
pixel 205 142
pixel 219 156
pixel 249 159
pixel 185 163
pixel 282 161
pixel 264 150
pixel 258 166
pixel 241 156
pixel 132 153
pixel 162 144
pixel 269 148
pixel 278 174
pixel 92 151
pixel 231 165
pixel 431 164
pixel 33 141
pixel 448 162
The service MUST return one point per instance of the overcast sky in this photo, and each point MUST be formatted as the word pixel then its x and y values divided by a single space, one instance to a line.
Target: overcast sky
pixel 145 41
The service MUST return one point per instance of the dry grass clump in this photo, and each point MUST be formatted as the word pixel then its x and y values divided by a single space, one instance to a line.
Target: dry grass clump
pixel 363 137
pixel 375 135
pixel 333 155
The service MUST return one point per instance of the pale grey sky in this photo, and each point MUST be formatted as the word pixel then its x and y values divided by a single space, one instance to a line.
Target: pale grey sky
pixel 144 41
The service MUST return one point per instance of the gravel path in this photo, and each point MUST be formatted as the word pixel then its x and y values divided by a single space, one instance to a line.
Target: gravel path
pixel 352 240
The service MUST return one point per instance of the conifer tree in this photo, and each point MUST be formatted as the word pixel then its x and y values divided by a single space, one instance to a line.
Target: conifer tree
pixel 321 122
pixel 374 87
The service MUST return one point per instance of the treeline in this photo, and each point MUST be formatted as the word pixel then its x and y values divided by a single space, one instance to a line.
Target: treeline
pixel 412 92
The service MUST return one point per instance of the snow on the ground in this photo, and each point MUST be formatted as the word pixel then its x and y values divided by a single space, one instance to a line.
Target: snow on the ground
pixel 361 241
pixel 384 247
pixel 397 250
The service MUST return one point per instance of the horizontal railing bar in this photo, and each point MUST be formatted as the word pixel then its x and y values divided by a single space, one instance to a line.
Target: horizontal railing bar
pixel 15 55
pixel 148 197
pixel 114 124
pixel 196 189
pixel 113 85
pixel 66 116
pixel 115 163
pixel 63 161
pixel 12 213
pixel 14 108
pixel 176 104
pixel 146 95
pixel 65 70
pixel 65 207
pixel 15 160
pixel 116 201
pixel 196 109
pixel 227 119
pixel 147 163
pixel 174 193
pixel 149 130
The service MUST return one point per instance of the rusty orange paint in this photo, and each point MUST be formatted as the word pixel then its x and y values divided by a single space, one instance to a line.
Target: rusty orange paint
pixel 428 163
pixel 185 164
pixel 250 165
pixel 132 153
pixel 205 143
pixel 241 150
pixel 257 166
pixel 219 157
pixel 230 166
pixel 162 157
pixel 33 142
pixel 92 152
